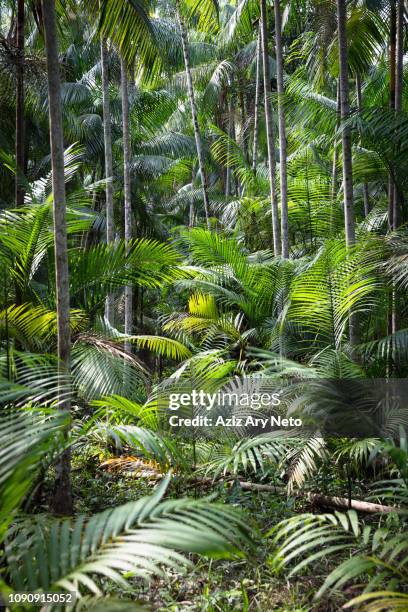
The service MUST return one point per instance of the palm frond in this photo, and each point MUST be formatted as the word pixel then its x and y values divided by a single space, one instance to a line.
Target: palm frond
pixel 26 436
pixel 138 538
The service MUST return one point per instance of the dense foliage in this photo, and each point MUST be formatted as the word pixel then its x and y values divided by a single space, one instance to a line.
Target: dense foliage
pixel 203 195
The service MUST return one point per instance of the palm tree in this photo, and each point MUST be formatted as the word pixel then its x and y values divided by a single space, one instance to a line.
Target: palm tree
pixel 395 202
pixel 282 131
pixel 392 62
pixel 127 186
pixel 20 102
pixel 256 103
pixel 270 131
pixel 62 500
pixel 335 147
pixel 107 136
pixel 359 95
pixel 231 136
pixel 346 133
pixel 346 146
pixel 398 92
pixel 191 95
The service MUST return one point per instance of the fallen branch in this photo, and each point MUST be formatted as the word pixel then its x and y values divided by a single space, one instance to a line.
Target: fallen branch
pixel 318 499
pixel 324 500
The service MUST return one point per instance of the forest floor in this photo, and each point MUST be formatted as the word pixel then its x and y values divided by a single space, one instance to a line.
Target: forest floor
pixel 245 583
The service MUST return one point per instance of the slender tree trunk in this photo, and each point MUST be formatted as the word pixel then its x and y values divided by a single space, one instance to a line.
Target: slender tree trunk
pixel 346 133
pixel 397 200
pixel 62 500
pixel 392 50
pixel 366 197
pixel 270 131
pixel 399 55
pixel 257 97
pixel 282 131
pixel 399 52
pixel 230 132
pixel 233 135
pixel 197 135
pixel 392 61
pixel 127 188
pixel 20 127
pixel 107 138
pixel 346 147
pixel 335 150
pixel 191 211
pixel 244 142
pixel 141 307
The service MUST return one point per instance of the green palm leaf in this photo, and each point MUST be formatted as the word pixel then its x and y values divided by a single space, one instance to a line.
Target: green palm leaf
pixel 136 539
pixel 25 438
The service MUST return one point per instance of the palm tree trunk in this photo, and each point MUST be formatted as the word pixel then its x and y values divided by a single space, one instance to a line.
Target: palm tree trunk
pixel 270 131
pixel 397 202
pixel 399 55
pixel 346 134
pixel 282 131
pixel 392 60
pixel 107 138
pixel 62 500
pixel 335 150
pixel 191 210
pixel 257 96
pixel 230 128
pixel 197 135
pixel 244 142
pixel 127 188
pixel 233 135
pixel 20 128
pixel 399 52
pixel 346 148
pixel 366 198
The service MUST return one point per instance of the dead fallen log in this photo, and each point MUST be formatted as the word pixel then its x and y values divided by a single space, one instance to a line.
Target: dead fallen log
pixel 324 500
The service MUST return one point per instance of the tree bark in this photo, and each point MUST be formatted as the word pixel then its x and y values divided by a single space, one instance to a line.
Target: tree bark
pixel 399 55
pixel 20 123
pixel 392 50
pixel 244 142
pixel 392 62
pixel 282 131
pixel 107 138
pixel 335 151
pixel 399 52
pixel 235 183
pixel 62 500
pixel 127 189
pixel 397 202
pixel 346 148
pixel 191 95
pixel 230 132
pixel 191 208
pixel 270 131
pixel 346 134
pixel 366 197
pixel 257 97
